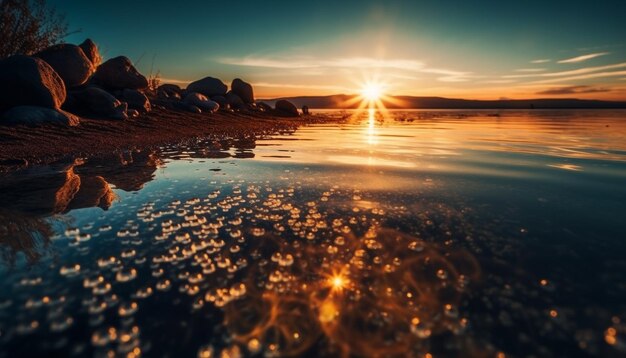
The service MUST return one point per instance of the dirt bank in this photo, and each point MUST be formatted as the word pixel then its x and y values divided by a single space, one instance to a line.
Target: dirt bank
pixel 22 146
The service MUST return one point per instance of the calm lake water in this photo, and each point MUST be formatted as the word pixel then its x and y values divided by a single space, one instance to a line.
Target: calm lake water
pixel 454 233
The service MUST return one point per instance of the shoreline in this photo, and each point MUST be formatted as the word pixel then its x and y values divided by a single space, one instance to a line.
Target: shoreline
pixel 23 146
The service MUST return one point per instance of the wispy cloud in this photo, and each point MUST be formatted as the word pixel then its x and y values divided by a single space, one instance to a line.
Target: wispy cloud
pixel 269 63
pixel 584 57
pixel 175 81
pixel 298 86
pixel 296 63
pixel 543 60
pixel 573 90
pixel 300 63
pixel 571 72
pixel 530 70
pixel 584 77
pixel 498 81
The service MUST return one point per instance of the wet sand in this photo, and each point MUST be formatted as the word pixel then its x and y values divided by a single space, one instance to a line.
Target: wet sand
pixel 22 146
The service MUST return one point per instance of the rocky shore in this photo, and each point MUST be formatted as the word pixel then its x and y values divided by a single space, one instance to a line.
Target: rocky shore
pixel 21 146
pixel 65 101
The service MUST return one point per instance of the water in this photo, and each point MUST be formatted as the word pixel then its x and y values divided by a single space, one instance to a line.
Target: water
pixel 458 233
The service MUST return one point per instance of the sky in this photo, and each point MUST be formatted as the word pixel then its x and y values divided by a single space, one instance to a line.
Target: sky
pixel 463 49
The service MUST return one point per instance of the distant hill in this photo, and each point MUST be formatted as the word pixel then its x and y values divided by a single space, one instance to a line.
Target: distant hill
pixel 339 101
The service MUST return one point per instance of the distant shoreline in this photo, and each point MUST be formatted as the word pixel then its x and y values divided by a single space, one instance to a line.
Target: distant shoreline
pixel 411 102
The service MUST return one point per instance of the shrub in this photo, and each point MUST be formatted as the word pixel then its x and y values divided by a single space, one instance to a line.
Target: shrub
pixel 29 26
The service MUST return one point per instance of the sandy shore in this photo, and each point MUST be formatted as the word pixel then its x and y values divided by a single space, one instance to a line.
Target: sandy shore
pixel 23 146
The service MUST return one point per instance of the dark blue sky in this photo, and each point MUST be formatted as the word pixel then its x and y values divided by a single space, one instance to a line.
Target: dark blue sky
pixel 466 48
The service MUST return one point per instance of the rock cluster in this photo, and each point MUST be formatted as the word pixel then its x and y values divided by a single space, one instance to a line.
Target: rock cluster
pixel 50 85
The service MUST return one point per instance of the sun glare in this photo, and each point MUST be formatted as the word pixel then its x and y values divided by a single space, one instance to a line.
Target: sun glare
pixel 337 282
pixel 372 92
pixel 372 97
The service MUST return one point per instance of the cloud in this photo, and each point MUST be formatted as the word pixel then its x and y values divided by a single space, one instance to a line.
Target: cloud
pixel 543 60
pixel 175 81
pixel 584 77
pixel 300 63
pixel 499 81
pixel 268 63
pixel 579 71
pixel 298 86
pixel 530 70
pixel 295 63
pixel 572 90
pixel 584 57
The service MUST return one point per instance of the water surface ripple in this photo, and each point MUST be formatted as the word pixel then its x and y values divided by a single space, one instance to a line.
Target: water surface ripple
pixel 451 233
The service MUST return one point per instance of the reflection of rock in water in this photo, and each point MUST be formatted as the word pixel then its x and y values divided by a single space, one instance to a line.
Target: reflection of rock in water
pixel 40 191
pixel 128 171
pixel 93 192
pixel 54 189
pixel 34 193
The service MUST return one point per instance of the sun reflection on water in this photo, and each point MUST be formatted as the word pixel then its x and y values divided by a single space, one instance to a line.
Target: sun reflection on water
pixel 371 127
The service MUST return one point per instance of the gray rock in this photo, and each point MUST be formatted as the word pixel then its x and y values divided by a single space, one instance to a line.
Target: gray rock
pixel 286 108
pixel 34 116
pixel 235 101
pixel 98 102
pixel 119 73
pixel 202 102
pixel 91 51
pixel 208 86
pixel 70 62
pixel 29 81
pixel 243 90
pixel 136 100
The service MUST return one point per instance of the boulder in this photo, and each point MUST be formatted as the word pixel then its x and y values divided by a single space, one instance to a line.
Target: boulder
pixel 91 51
pixel 136 100
pixel 234 101
pixel 133 113
pixel 98 102
pixel 221 100
pixel 70 62
pixel 169 91
pixel 208 86
pixel 119 73
pixel 34 116
pixel 243 90
pixel 29 81
pixel 264 107
pixel 186 107
pixel 202 102
pixel 286 108
pixel 305 110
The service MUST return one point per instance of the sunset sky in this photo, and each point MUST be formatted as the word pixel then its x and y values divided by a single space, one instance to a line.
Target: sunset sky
pixel 468 49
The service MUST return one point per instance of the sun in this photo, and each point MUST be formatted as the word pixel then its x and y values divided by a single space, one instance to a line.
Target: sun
pixel 372 96
pixel 372 91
